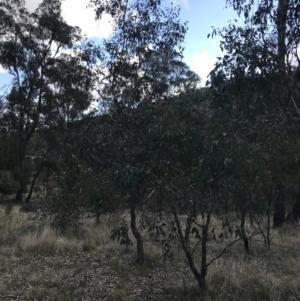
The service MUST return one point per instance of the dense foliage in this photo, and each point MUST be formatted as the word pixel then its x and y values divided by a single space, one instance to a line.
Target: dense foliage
pixel 181 158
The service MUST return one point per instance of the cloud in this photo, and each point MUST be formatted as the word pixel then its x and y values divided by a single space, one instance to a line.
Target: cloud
pixel 76 13
pixel 185 4
pixel 182 3
pixel 31 5
pixel 202 63
pixel 2 70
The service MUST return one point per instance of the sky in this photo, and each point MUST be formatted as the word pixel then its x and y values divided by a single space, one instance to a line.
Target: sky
pixel 200 52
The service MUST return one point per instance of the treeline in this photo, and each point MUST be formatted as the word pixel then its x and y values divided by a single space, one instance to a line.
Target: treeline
pixel 158 143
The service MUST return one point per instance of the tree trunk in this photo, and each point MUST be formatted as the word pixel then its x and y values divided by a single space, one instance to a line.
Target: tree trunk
pixel 296 209
pixel 160 214
pixel 281 19
pixel 294 214
pixel 204 252
pixel 251 218
pixel 22 151
pixel 200 277
pixel 36 175
pixel 98 217
pixel 269 220
pixel 138 237
pixel 279 207
pixel 19 195
pixel 244 235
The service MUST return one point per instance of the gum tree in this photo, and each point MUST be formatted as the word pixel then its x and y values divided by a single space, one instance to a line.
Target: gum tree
pixel 192 162
pixel 44 81
pixel 131 80
pixel 257 80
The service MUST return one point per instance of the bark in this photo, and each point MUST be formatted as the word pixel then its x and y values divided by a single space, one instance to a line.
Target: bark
pixel 98 217
pixel 200 277
pixel 19 195
pixel 279 207
pixel 35 177
pixel 281 19
pixel 294 214
pixel 26 132
pixel 160 214
pixel 138 237
pixel 63 219
pixel 204 252
pixel 269 221
pixel 22 152
pixel 244 235
pixel 296 209
pixel 251 218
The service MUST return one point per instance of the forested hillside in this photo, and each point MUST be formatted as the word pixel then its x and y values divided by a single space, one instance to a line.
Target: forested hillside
pixel 123 129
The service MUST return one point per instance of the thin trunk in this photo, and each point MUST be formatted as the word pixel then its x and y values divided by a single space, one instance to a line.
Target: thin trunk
pixel 296 209
pixel 25 132
pixel 244 235
pixel 160 214
pixel 294 214
pixel 187 230
pixel 63 219
pixel 204 250
pixel 282 10
pixel 279 207
pixel 138 237
pixel 36 175
pixel 269 221
pixel 200 277
pixel 251 218
pixel 19 195
pixel 98 217
pixel 22 151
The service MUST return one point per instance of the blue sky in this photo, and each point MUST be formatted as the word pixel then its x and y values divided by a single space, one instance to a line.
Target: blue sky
pixel 200 53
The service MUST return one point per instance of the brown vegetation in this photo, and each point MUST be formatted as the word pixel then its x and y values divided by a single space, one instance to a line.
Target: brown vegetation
pixel 38 264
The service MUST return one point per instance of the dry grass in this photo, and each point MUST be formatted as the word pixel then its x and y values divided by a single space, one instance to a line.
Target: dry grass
pixel 38 264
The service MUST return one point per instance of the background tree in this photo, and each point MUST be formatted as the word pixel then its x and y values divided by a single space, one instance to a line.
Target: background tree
pixel 257 78
pixel 30 49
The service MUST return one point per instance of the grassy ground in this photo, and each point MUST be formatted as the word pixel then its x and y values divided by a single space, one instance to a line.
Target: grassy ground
pixel 38 264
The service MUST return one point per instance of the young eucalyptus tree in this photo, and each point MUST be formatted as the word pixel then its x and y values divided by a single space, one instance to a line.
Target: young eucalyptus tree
pixel 45 81
pixel 144 50
pixel 138 67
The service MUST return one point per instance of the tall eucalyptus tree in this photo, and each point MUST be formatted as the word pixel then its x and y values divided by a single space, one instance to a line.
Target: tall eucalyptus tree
pixel 257 80
pixel 44 80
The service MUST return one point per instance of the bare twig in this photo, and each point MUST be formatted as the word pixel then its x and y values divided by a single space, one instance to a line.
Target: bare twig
pixel 295 106
pixel 224 250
